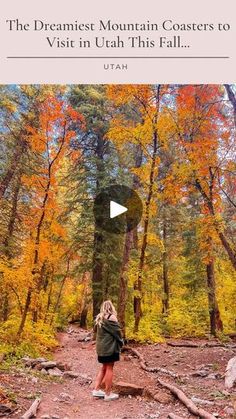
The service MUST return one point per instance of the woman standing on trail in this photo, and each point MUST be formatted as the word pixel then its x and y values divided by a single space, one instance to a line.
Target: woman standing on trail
pixel 108 346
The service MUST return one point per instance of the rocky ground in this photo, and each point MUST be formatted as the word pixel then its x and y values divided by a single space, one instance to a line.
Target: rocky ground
pixel 64 386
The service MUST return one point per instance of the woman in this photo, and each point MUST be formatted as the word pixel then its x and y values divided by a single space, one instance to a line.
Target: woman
pixel 108 346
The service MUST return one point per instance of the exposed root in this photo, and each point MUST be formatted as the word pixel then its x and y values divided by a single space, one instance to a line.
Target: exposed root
pixel 144 366
pixel 197 411
pixel 199 345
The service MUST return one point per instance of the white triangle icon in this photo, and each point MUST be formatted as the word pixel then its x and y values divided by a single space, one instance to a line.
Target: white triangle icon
pixel 116 209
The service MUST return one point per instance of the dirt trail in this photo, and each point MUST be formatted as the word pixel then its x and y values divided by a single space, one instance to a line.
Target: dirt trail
pixel 82 357
pixel 201 372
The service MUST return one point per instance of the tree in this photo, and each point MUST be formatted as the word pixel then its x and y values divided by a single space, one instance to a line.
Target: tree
pixel 198 128
pixel 146 100
pixel 50 139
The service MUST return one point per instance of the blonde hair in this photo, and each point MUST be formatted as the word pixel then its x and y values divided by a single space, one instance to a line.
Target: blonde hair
pixel 107 309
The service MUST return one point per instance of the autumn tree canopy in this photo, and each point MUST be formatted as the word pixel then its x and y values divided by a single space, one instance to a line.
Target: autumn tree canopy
pixel 60 146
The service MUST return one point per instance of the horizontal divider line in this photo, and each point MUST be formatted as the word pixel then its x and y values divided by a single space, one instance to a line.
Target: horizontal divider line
pixel 121 58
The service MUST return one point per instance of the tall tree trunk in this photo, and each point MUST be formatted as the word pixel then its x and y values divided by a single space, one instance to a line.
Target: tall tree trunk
pixel 216 324
pixel 166 292
pixel 123 281
pixel 85 304
pixel 138 283
pixel 130 239
pixel 38 290
pixel 83 316
pixel 36 273
pixel 25 311
pixel 97 273
pixel 49 298
pixel 85 301
pixel 58 301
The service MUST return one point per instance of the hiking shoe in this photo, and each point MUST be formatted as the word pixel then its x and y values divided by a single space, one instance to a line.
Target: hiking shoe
pixel 111 396
pixel 98 393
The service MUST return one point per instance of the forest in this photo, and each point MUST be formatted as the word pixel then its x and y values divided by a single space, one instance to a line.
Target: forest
pixel 174 274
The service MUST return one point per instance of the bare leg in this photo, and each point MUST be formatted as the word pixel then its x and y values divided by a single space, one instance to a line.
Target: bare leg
pixel 108 377
pixel 100 377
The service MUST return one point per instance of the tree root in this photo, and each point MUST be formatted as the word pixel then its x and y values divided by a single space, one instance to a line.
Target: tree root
pixel 31 412
pixel 201 345
pixel 197 411
pixel 144 366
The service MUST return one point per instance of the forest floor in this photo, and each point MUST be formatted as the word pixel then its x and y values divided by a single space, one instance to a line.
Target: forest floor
pixel 200 375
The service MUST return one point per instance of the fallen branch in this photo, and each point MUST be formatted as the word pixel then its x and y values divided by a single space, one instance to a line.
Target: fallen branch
pixel 197 345
pixel 197 411
pixel 194 345
pixel 173 416
pixel 31 412
pixel 144 366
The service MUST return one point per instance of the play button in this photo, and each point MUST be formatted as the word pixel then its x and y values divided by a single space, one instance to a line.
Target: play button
pixel 117 209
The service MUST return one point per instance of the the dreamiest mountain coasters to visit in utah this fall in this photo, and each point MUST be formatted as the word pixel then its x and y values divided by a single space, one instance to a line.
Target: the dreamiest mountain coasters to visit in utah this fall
pixel 117 210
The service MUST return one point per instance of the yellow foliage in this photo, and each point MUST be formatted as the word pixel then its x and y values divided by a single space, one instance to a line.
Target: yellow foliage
pixel 36 338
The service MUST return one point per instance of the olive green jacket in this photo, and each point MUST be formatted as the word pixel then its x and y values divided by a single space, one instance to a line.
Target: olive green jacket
pixel 108 339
